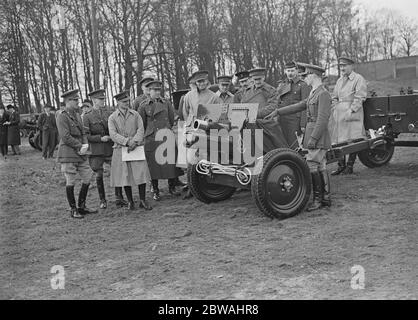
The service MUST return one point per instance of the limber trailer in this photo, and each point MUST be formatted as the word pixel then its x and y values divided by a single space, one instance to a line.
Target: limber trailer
pixel 280 180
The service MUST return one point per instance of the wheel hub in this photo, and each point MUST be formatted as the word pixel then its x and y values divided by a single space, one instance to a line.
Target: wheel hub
pixel 286 184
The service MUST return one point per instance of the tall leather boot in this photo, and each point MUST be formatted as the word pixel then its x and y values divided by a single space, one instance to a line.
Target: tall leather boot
pixel 326 198
pixel 82 200
pixel 341 167
pixel 71 201
pixel 350 164
pixel 142 200
pixel 155 190
pixel 120 202
pixel 131 203
pixel 172 183
pixel 102 192
pixel 317 192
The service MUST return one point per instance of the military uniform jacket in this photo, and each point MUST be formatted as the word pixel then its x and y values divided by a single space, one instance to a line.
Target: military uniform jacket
pixel 263 96
pixel 292 91
pixel 226 97
pixel 318 110
pixel 47 122
pixel 72 137
pixel 139 101
pixel 156 114
pixel 238 96
pixel 95 124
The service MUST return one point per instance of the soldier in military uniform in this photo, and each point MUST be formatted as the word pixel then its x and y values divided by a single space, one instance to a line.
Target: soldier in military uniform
pixel 145 93
pixel 72 153
pixel 158 114
pixel 224 82
pixel 291 91
pixel 260 92
pixel 95 123
pixel 317 138
pixel 243 79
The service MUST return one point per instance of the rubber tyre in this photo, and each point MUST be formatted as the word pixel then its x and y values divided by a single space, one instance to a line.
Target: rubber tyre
pixel 34 139
pixel 280 166
pixel 378 157
pixel 204 191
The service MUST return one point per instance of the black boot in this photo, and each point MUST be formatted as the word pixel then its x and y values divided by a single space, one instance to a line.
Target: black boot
pixel 172 187
pixel 350 164
pixel 341 168
pixel 142 200
pixel 326 198
pixel 120 202
pixel 131 203
pixel 155 190
pixel 317 192
pixel 82 200
pixel 71 201
pixel 102 193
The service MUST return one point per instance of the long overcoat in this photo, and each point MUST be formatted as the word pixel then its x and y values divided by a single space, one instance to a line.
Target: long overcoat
pixel 123 127
pixel 158 114
pixel 13 132
pixel 347 119
pixel 3 129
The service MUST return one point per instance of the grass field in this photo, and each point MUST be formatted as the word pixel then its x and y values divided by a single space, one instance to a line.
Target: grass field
pixel 186 249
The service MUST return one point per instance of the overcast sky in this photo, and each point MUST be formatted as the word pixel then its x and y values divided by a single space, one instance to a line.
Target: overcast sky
pixel 405 7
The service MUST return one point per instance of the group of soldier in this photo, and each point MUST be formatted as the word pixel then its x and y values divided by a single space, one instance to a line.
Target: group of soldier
pixel 301 103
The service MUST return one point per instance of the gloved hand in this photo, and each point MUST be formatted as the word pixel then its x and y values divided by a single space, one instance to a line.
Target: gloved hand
pixel 84 149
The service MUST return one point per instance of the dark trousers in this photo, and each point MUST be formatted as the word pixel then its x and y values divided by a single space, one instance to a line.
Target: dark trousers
pixel 48 143
pixel 3 149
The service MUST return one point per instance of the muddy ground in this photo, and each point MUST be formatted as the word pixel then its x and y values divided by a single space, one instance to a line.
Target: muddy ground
pixel 189 250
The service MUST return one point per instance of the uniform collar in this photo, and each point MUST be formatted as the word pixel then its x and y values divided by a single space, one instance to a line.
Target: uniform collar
pixel 351 76
pixel 119 113
pixel 219 93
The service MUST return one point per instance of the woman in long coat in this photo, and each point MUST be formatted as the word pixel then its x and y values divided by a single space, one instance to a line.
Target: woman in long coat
pixel 127 130
pixel 4 117
pixel 13 131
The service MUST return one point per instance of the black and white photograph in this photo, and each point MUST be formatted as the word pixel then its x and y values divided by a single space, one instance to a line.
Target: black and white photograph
pixel 227 151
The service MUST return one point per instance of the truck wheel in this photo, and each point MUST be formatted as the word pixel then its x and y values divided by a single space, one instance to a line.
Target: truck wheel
pixel 283 187
pixel 378 157
pixel 205 191
pixel 34 138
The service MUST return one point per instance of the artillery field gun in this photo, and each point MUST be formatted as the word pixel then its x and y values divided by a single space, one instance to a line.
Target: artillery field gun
pixel 279 178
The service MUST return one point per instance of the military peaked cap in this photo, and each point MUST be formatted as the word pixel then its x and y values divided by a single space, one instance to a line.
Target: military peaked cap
pixel 311 68
pixel 87 103
pixel 122 95
pixel 224 79
pixel 200 75
pixel 242 75
pixel 258 72
pixel 156 84
pixel 290 65
pixel 10 106
pixel 97 94
pixel 70 94
pixel 345 61
pixel 144 81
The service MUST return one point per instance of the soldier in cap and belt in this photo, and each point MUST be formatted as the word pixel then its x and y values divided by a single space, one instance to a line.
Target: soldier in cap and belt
pixel 95 123
pixel 243 79
pixel 347 120
pixel 48 126
pixel 260 92
pixel 224 82
pixel 317 138
pixel 127 130
pixel 291 91
pixel 72 153
pixel 158 114
pixel 145 93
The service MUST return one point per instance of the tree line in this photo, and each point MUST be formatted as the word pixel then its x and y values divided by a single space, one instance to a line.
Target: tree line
pixel 50 46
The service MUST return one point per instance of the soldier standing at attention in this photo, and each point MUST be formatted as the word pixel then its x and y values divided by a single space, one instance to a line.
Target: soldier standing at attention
pixel 224 83
pixel 260 92
pixel 127 130
pixel 72 153
pixel 347 120
pixel 145 93
pixel 158 114
pixel 95 123
pixel 13 130
pixel 291 91
pixel 317 139
pixel 243 79
pixel 48 126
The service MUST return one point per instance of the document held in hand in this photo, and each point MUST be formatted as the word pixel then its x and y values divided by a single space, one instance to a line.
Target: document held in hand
pixel 136 155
